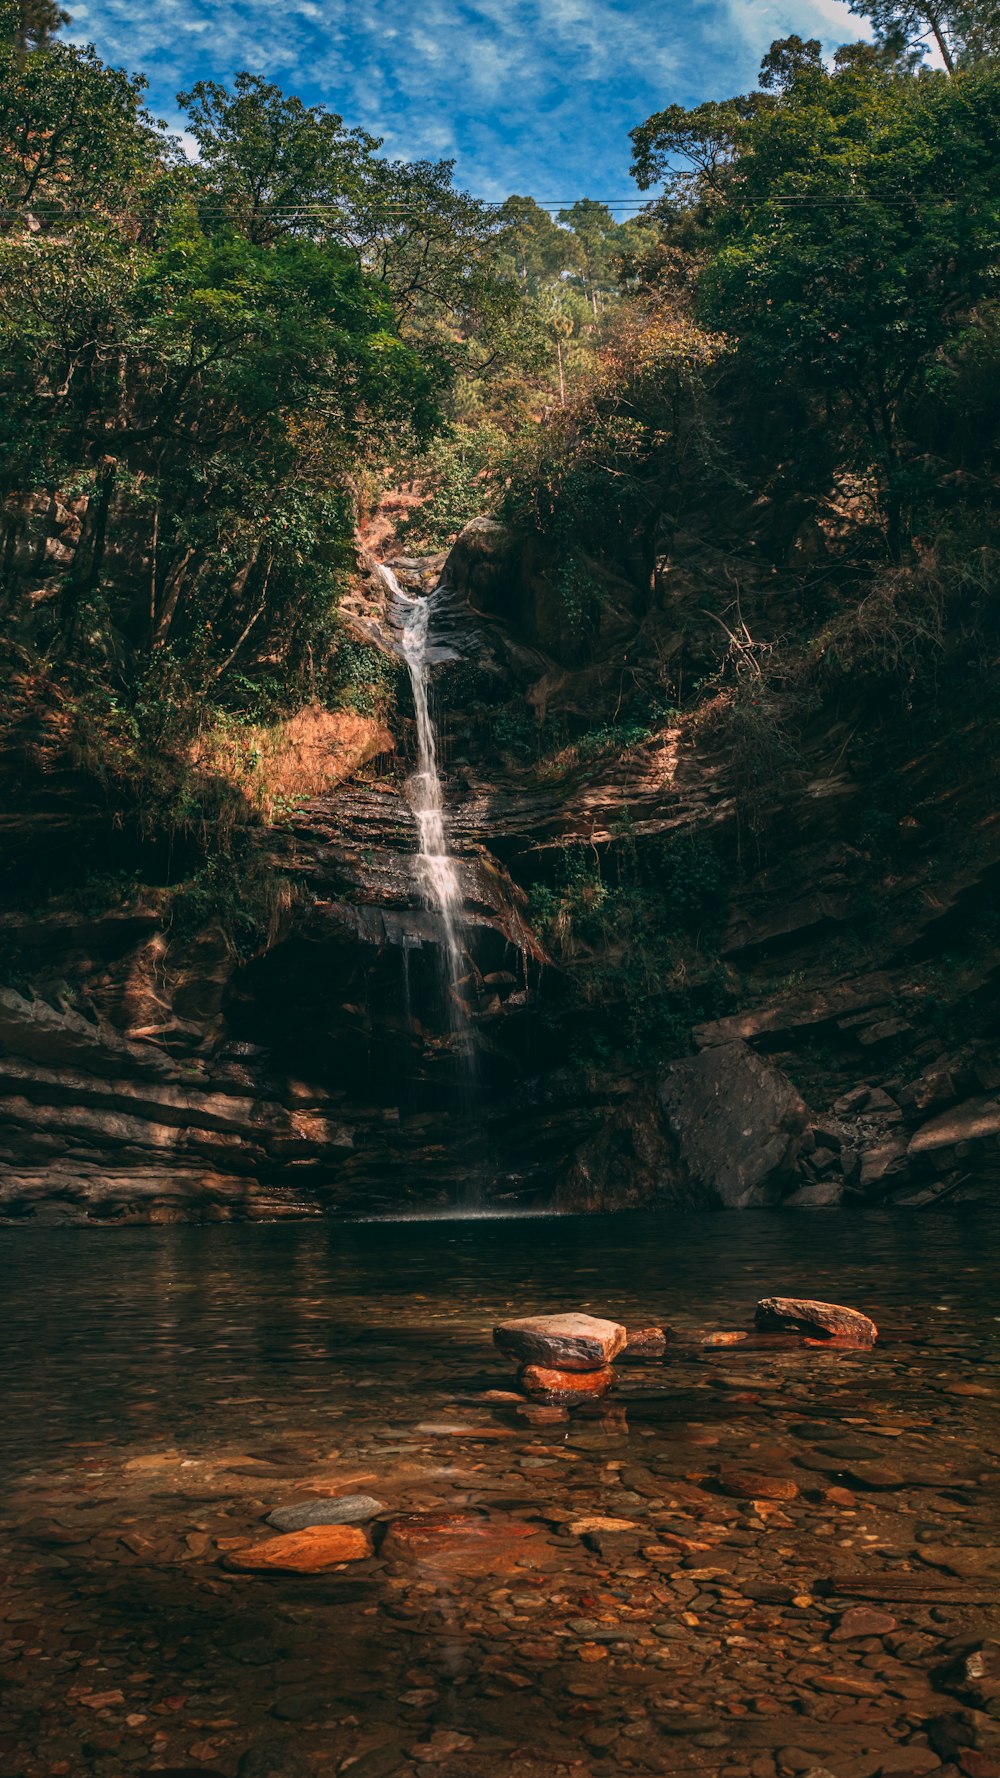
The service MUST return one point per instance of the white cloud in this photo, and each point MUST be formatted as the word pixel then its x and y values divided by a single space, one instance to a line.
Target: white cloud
pixel 531 94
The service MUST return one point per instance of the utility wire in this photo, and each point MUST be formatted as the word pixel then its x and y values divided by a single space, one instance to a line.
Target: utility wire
pixel 391 212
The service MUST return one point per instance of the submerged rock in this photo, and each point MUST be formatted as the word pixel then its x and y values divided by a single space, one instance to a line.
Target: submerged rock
pixel 747 1484
pixel 344 1509
pixel 560 1388
pixel 829 1319
pixel 466 1542
pixel 821 1194
pixel 569 1342
pixel 304 1552
pixel 863 1620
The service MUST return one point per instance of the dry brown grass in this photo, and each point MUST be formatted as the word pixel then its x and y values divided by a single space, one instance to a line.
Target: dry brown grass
pixel 279 765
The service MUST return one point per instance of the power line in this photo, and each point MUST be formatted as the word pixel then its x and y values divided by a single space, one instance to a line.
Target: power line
pixel 402 210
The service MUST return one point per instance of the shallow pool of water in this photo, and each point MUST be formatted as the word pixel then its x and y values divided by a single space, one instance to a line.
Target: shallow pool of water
pixel 165 1389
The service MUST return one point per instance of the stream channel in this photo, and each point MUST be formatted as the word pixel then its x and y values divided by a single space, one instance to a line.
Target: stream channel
pixel 750 1560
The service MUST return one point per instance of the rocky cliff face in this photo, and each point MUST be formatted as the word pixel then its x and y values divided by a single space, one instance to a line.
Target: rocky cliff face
pixel 854 1055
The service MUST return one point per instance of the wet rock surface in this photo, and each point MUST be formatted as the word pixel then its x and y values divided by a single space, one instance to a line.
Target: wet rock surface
pixel 148 1075
pixel 569 1342
pixel 832 1320
pixel 564 1388
pixel 694 1575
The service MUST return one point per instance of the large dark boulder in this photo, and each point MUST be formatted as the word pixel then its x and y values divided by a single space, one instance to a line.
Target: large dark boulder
pixel 737 1122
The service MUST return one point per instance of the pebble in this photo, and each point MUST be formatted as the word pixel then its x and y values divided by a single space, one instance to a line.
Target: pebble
pixel 645 1342
pixel 750 1485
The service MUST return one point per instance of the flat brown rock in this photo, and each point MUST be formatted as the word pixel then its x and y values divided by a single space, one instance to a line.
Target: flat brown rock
pixel 973 1562
pixel 469 1543
pixel 558 1388
pixel 863 1620
pixel 564 1342
pixel 304 1552
pixel 829 1319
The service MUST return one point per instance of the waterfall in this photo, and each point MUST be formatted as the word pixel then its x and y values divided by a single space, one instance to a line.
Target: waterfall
pixel 436 867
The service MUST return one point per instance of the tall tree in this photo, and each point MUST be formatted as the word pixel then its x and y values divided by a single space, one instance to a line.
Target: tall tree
pixel 29 24
pixel 962 31
pixel 275 165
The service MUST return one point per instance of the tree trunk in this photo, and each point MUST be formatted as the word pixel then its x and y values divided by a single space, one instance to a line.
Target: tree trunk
pixel 940 39
pixel 167 605
pixel 88 560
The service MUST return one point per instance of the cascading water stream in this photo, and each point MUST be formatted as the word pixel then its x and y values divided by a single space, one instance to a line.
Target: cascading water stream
pixel 438 873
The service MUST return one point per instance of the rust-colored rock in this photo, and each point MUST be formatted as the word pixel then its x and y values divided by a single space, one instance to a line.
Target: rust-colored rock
pixel 748 1484
pixel 468 1543
pixel 829 1319
pixel 568 1342
pixel 563 1389
pixel 304 1552
pixel 645 1342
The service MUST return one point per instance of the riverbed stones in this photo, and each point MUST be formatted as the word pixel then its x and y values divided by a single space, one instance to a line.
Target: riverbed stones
pixel 309 1551
pixel 564 1389
pixel 344 1509
pixel 566 1342
pixel 830 1320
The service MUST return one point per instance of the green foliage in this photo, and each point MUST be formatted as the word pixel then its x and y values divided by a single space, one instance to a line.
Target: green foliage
pixel 359 675
pixel 593 480
pixel 461 474
pixel 197 365
pixel 635 929
pixel 29 24
pixel 272 163
pixel 237 890
pixel 854 231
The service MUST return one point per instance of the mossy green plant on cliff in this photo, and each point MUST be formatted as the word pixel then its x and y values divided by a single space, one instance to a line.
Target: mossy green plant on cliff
pixel 635 927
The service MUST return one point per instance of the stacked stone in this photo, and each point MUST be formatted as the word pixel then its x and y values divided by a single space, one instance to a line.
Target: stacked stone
pixel 564 1359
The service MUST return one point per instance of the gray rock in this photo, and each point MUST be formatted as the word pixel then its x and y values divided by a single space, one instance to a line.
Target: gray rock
pixel 342 1509
pixel 481 558
pixel 737 1121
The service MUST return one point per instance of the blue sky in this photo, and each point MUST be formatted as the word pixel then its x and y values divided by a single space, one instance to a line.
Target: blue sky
pixel 534 96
